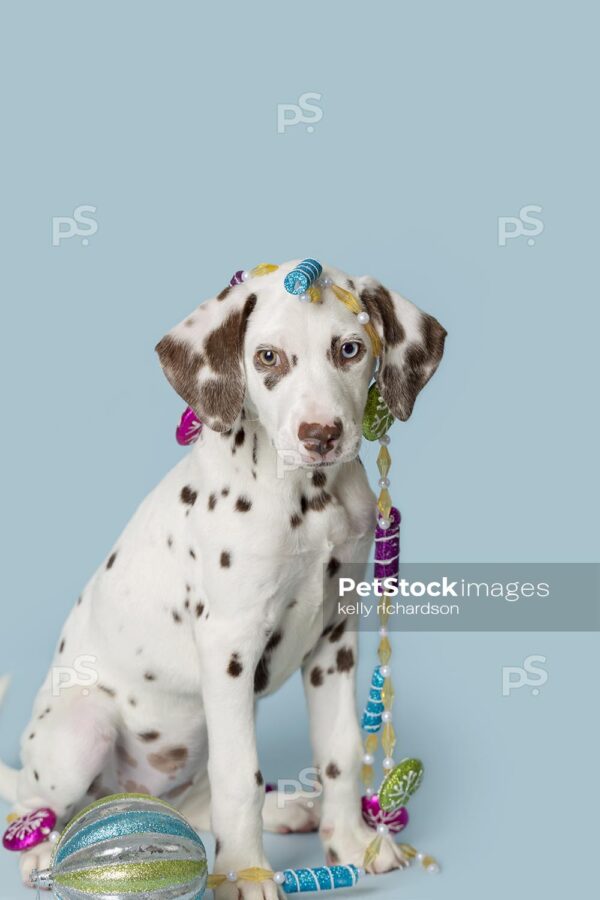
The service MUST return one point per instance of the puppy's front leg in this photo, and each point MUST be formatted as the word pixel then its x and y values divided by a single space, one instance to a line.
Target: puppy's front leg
pixel 329 680
pixel 229 655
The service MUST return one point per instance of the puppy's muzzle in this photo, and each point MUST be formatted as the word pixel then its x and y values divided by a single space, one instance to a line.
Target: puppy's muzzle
pixel 320 438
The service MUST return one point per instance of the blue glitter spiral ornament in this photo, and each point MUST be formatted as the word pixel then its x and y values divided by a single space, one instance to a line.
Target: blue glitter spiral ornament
pixel 124 847
pixel 323 878
pixel 371 719
pixel 303 276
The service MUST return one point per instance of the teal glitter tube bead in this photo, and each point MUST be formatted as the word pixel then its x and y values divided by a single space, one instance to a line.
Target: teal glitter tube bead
pixel 372 716
pixel 323 878
pixel 303 276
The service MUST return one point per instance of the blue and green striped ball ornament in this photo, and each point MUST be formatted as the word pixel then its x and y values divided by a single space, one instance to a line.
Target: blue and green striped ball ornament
pixel 125 847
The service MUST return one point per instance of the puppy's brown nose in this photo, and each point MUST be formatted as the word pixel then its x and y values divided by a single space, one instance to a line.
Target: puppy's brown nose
pixel 319 438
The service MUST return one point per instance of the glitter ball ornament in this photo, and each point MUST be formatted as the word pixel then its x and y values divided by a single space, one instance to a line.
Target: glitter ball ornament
pixel 374 815
pixel 127 846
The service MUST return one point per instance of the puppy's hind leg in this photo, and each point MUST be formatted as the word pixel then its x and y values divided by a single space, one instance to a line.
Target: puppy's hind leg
pixel 65 748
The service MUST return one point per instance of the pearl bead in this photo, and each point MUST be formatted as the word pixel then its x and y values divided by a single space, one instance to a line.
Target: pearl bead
pixel 383 632
pixel 384 482
pixel 303 298
pixel 361 872
pixel 363 317
pixel 384 523
pixel 386 716
pixel 232 876
pixel 245 276
pixel 326 281
pixel 278 877
pixel 420 856
pixel 369 792
pixel 53 837
pixel 433 867
pixel 368 759
pixel 388 763
pixel 384 440
pixel 386 671
pixel 382 829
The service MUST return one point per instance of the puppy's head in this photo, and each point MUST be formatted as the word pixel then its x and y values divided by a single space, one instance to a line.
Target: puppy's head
pixel 302 369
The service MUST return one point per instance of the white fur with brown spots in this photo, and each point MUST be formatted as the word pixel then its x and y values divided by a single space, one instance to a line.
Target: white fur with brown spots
pixel 214 591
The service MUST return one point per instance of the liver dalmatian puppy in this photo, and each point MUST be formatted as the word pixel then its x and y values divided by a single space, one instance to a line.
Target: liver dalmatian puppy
pixel 214 594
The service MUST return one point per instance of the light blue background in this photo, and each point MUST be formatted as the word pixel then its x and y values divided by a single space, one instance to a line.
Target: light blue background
pixel 437 119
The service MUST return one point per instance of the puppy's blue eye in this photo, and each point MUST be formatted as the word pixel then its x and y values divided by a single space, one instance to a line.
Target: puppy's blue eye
pixel 350 349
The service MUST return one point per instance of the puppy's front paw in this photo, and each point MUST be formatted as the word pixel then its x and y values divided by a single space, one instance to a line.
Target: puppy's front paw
pixel 37 858
pixel 345 845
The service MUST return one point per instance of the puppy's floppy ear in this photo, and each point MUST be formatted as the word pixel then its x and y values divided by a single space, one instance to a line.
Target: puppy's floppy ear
pixel 413 344
pixel 203 357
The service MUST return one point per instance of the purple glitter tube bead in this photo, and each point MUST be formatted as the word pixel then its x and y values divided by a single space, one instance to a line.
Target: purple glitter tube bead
pixel 237 278
pixel 387 547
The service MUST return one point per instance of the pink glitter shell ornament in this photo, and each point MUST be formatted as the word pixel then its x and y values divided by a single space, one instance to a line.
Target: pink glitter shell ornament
pixel 374 815
pixel 189 428
pixel 29 830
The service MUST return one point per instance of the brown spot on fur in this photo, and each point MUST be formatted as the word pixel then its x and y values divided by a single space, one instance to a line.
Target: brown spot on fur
pixel 380 306
pixel 338 631
pixel 316 676
pixel 295 520
pixel 107 690
pixel 261 673
pixel 132 701
pixel 199 609
pixel 212 501
pixel 148 736
pixel 181 363
pixel 176 617
pixel 344 659
pixel 294 359
pixel 333 857
pixel 149 676
pixel 318 503
pixel 111 560
pixel 223 293
pixel 303 503
pixel 225 559
pixel 242 504
pixel 319 479
pixel 192 553
pixel 188 496
pixel 62 646
pixel 235 668
pixel 169 541
pixel 255 448
pixel 169 760
pixel 332 771
pixel 259 778
pixel 134 787
pixel 333 566
pixel 225 492
pixel 240 437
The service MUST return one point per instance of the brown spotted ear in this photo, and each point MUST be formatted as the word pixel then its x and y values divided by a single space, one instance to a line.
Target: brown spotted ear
pixel 203 357
pixel 413 344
